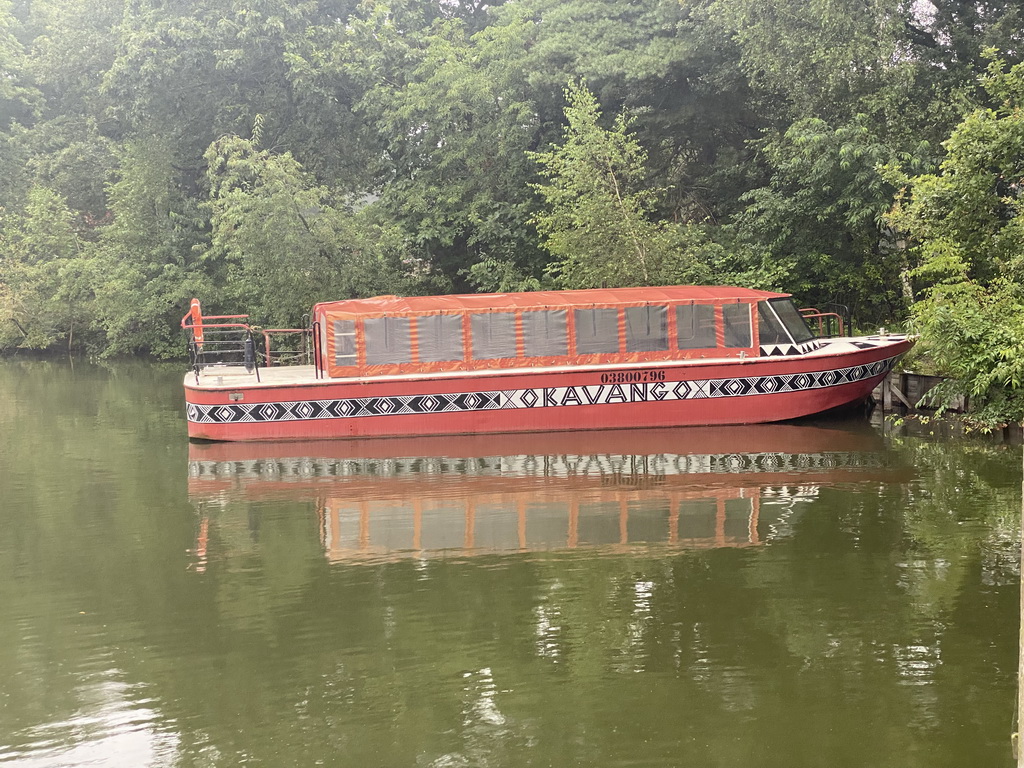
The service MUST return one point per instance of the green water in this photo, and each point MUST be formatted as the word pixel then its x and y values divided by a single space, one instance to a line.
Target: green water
pixel 796 596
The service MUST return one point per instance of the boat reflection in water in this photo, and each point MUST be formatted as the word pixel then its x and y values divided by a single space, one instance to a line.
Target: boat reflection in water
pixel 458 496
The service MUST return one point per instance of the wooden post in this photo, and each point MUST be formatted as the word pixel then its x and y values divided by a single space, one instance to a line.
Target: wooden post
pixel 892 391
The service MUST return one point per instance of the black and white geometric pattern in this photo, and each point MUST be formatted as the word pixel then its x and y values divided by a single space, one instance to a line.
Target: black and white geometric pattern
pixel 782 350
pixel 544 397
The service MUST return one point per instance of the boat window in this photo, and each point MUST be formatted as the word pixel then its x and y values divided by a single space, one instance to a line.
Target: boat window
pixel 387 340
pixel 695 326
pixel 736 319
pixel 791 318
pixel 545 333
pixel 769 328
pixel 494 335
pixel 439 338
pixel 646 329
pixel 597 331
pixel 344 342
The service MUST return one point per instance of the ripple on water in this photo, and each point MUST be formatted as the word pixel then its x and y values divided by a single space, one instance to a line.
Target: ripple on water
pixel 113 726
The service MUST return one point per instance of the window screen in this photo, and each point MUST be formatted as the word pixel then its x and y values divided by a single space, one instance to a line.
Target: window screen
pixel 792 319
pixel 736 319
pixel 344 342
pixel 769 329
pixel 387 340
pixel 494 335
pixel 597 330
pixel 695 325
pixel 646 329
pixel 439 338
pixel 545 333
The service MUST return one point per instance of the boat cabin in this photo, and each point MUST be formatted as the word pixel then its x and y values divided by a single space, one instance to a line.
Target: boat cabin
pixel 389 335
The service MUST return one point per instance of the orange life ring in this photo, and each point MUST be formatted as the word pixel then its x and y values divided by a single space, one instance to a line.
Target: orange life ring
pixel 197 321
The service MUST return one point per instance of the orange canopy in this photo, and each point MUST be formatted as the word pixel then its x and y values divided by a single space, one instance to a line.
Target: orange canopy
pixel 593 296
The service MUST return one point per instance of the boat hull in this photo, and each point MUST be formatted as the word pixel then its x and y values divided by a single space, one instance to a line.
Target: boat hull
pixel 229 406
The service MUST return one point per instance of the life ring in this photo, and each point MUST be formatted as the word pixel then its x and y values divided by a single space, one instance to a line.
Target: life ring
pixel 196 315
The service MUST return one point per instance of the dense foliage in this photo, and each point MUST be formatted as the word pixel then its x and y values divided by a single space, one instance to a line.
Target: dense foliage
pixel 263 155
pixel 968 247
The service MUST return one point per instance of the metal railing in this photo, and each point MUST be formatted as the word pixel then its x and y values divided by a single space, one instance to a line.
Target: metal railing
pixel 229 340
pixel 213 342
pixel 830 324
pixel 285 356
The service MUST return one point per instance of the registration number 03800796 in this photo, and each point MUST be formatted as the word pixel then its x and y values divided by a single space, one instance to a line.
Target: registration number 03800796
pixel 632 377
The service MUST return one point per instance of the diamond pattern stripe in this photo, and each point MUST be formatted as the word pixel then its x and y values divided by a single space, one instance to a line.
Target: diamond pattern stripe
pixel 305 410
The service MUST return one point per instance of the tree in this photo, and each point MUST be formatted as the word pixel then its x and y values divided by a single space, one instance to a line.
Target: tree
pixel 597 202
pixel 147 255
pixel 857 86
pixel 288 243
pixel 824 206
pixel 19 99
pixel 820 58
pixel 455 116
pixel 673 72
pixel 44 275
pixel 967 233
pixel 749 154
pixel 20 102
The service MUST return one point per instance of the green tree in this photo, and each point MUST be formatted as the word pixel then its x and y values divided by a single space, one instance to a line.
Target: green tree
pixel 967 234
pixel 750 154
pixel 673 72
pixel 820 58
pixel 595 222
pixel 824 207
pixel 455 115
pixel 857 85
pixel 148 265
pixel 19 99
pixel 953 34
pixel 20 103
pixel 288 242
pixel 72 147
pixel 44 276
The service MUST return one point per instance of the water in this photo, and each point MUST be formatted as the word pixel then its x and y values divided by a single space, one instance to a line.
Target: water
pixel 767 596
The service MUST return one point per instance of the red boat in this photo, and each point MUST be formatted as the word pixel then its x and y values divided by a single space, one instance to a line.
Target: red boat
pixel 528 362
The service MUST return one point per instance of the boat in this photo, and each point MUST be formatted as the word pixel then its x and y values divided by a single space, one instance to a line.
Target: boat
pixel 599 359
pixel 659 490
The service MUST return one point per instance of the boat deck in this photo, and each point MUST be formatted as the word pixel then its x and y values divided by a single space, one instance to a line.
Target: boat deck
pixel 235 376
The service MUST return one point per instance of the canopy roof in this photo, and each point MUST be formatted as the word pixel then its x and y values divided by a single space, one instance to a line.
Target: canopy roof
pixel 589 297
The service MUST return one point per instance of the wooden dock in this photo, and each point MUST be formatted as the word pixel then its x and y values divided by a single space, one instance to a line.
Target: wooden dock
pixel 904 390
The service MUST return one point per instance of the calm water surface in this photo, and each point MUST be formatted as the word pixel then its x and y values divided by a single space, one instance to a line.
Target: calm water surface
pixel 819 595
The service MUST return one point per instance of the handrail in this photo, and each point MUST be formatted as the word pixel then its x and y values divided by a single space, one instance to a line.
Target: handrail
pixel 821 317
pixel 219 325
pixel 267 356
pixel 204 318
pixel 212 342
